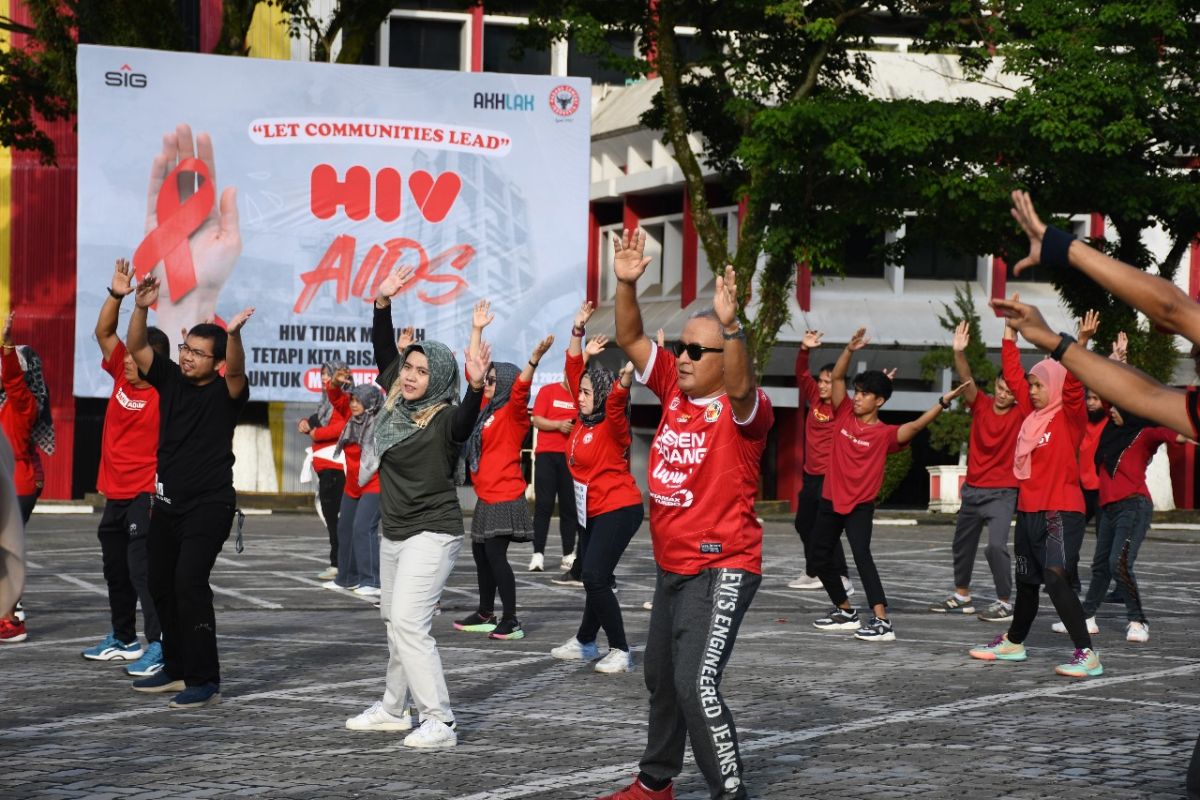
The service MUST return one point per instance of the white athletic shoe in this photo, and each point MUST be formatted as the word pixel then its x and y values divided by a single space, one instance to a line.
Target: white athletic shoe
pixel 574 650
pixel 805 582
pixel 568 561
pixel 615 661
pixel 377 718
pixel 1060 627
pixel 537 563
pixel 432 733
pixel 648 605
pixel 848 586
pixel 1137 632
pixel 368 591
pixel 327 574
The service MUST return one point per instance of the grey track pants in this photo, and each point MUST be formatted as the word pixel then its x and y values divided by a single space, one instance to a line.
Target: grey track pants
pixel 993 508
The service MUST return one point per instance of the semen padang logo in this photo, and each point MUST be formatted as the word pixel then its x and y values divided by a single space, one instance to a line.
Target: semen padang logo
pixel 564 100
pixel 125 77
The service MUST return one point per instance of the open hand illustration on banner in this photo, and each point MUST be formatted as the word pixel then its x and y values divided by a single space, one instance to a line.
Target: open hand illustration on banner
pixel 192 242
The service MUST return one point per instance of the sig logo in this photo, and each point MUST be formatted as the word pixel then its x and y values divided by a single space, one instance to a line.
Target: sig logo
pixel 564 100
pixel 125 76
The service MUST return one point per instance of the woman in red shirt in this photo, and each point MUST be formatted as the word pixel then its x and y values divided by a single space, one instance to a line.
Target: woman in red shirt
pixel 608 501
pixel 1050 508
pixel 324 427
pixel 358 521
pixel 25 417
pixel 493 460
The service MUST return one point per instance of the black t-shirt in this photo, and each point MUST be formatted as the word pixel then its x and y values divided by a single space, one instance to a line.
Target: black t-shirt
pixel 195 443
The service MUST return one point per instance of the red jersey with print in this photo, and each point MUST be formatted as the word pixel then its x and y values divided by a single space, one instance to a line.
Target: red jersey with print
pixel 1053 483
pixel 499 478
pixel 326 436
pixel 596 455
pixel 992 444
pixel 555 403
pixel 1088 477
pixel 129 445
pixel 857 459
pixel 818 422
pixel 17 417
pixel 351 452
pixel 704 469
pixel 1131 469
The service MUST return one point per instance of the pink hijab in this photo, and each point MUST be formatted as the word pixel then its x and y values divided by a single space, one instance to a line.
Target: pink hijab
pixel 1052 375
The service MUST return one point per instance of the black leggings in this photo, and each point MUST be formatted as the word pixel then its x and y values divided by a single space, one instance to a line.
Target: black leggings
pixel 608 536
pixel 1065 601
pixel 330 485
pixel 552 479
pixel 495 574
pixel 808 502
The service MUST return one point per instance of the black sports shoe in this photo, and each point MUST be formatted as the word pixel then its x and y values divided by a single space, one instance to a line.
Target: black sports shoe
pixel 839 619
pixel 567 579
pixel 509 628
pixel 476 623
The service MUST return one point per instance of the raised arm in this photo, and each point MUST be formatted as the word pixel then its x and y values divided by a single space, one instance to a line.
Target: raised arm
pixel 804 379
pixel 1013 372
pixel 235 355
pixel 136 341
pixel 962 338
pixel 535 358
pixel 628 265
pixel 468 410
pixel 1118 383
pixel 106 324
pixel 579 328
pixel 838 379
pixel 16 390
pixel 481 317
pixel 908 431
pixel 739 366
pixel 1159 299
pixel 614 406
pixel 383 340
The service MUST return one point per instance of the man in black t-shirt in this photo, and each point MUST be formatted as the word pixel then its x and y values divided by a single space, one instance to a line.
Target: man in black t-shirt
pixel 194 498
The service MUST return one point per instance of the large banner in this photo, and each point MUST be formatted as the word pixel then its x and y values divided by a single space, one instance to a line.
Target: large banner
pixel 297 187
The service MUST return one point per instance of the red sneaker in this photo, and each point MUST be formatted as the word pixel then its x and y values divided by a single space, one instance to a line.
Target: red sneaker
pixel 12 631
pixel 637 791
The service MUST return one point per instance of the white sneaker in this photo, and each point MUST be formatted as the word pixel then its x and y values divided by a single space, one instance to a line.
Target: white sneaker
pixel 1060 627
pixel 537 563
pixel 368 591
pixel 377 718
pixel 648 605
pixel 327 574
pixel 848 586
pixel 574 650
pixel 615 661
pixel 333 586
pixel 568 561
pixel 805 582
pixel 432 733
pixel 1137 632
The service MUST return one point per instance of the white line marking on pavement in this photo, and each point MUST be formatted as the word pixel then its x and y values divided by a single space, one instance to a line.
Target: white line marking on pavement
pixel 248 598
pixel 91 587
pixel 230 562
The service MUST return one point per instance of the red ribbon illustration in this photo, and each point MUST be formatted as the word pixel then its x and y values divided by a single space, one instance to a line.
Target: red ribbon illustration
pixel 177 221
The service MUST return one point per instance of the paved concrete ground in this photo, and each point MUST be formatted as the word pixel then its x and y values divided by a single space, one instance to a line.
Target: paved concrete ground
pixel 821 715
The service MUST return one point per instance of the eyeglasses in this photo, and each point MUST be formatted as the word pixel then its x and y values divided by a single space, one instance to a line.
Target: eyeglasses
pixel 694 351
pixel 490 380
pixel 183 348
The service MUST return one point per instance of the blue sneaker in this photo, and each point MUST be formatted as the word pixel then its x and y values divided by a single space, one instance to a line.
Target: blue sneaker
pixel 197 696
pixel 151 662
pixel 158 683
pixel 112 649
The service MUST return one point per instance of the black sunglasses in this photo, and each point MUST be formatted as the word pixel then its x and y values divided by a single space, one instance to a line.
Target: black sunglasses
pixel 694 351
pixel 489 380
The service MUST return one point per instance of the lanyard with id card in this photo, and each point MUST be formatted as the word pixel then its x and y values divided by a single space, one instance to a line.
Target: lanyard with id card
pixel 580 489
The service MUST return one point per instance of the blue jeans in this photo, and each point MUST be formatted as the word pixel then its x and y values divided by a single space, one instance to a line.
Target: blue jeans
pixel 358 541
pixel 1123 527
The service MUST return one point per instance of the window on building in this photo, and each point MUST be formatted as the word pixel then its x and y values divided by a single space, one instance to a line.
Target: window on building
pixel 587 65
pixel 691 47
pixel 499 43
pixel 425 43
pixel 931 259
pixel 862 256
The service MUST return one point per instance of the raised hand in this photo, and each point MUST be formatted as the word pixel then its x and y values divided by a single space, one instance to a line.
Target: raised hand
pixel 147 293
pixel 890 374
pixel 962 336
pixel 540 349
pixel 479 362
pixel 628 261
pixel 408 335
pixel 661 338
pixel 235 325
pixel 1026 320
pixel 725 299
pixel 395 281
pixel 584 314
pixel 481 314
pixel 1120 348
pixel 812 339
pixel 596 345
pixel 122 279
pixel 626 375
pixel 342 377
pixel 6 337
pixel 956 391
pixel 859 340
pixel 1025 215
pixel 1086 328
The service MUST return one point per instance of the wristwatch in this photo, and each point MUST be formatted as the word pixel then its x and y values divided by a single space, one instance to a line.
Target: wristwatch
pixel 944 403
pixel 1066 341
pixel 740 333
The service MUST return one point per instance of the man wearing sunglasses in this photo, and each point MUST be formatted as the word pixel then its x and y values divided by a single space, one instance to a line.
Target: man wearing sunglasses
pixel 194 499
pixel 704 470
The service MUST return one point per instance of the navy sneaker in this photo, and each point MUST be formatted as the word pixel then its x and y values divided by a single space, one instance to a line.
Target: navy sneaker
pixel 839 619
pixel 151 662
pixel 207 694
pixel 113 649
pixel 877 630
pixel 158 683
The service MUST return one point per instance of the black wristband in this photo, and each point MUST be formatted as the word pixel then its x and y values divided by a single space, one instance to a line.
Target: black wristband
pixel 944 403
pixel 578 330
pixel 533 363
pixel 1066 341
pixel 114 295
pixel 1055 244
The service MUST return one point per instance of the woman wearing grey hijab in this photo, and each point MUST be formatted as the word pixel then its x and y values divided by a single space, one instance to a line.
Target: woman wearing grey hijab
pixel 418 434
pixel 358 520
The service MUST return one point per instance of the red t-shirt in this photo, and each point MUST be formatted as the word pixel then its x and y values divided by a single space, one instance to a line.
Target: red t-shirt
pixel 129 445
pixel 499 478
pixel 704 468
pixel 818 422
pixel 596 455
pixel 555 403
pixel 857 459
pixel 327 435
pixel 1088 477
pixel 1053 483
pixel 1131 469
pixel 992 444
pixel 352 452
pixel 17 416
